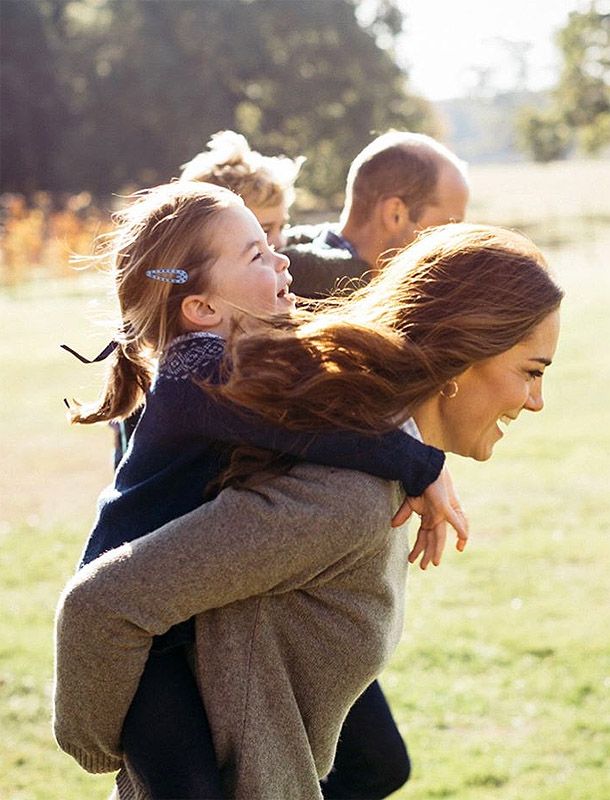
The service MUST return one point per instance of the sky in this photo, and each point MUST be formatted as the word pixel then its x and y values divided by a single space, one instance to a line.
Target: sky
pixel 445 39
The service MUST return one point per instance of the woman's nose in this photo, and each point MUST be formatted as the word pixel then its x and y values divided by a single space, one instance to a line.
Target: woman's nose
pixel 535 401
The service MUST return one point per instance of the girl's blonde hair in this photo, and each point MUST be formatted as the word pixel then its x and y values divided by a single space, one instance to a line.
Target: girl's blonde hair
pixel 459 294
pixel 262 181
pixel 166 227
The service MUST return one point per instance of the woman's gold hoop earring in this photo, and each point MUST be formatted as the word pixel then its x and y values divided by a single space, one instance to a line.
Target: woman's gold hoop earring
pixel 449 395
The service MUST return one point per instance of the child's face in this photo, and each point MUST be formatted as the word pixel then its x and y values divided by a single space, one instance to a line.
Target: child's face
pixel 273 221
pixel 247 274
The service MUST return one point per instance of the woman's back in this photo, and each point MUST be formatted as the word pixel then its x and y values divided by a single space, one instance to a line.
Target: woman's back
pixel 301 588
pixel 285 666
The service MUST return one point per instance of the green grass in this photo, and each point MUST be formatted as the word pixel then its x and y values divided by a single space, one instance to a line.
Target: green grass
pixel 502 680
pixel 50 477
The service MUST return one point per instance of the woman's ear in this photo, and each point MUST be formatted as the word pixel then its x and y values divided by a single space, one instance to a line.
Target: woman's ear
pixel 198 313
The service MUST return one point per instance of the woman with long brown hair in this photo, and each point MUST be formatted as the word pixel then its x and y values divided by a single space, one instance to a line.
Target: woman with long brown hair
pixel 188 264
pixel 297 581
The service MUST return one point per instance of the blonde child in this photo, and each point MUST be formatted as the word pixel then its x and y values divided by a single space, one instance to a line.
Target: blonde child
pixel 265 183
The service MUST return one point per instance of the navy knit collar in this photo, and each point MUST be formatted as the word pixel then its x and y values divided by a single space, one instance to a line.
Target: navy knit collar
pixel 187 336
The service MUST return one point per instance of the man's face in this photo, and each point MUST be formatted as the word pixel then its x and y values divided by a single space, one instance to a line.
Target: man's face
pixel 451 199
pixel 449 205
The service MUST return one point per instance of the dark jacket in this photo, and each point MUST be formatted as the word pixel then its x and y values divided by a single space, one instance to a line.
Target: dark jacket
pixel 321 261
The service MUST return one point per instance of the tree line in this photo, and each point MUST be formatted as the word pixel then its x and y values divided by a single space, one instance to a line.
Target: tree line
pixel 577 114
pixel 99 94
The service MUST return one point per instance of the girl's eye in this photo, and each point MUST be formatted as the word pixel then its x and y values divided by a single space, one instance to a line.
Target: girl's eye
pixel 257 255
pixel 535 373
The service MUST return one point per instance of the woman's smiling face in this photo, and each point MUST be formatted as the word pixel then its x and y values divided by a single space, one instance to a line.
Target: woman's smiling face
pixel 492 393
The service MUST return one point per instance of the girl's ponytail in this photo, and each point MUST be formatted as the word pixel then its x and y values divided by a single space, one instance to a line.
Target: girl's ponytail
pixel 127 381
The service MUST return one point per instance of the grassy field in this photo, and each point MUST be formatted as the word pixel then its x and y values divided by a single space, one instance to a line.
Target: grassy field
pixel 502 680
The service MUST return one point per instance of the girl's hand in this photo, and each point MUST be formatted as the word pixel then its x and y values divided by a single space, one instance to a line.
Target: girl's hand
pixel 437 506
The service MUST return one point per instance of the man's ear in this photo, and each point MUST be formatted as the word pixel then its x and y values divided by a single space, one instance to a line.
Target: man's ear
pixel 394 213
pixel 198 313
pixel 396 221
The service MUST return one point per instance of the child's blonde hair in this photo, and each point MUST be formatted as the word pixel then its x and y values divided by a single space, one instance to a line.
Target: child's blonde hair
pixel 165 232
pixel 262 181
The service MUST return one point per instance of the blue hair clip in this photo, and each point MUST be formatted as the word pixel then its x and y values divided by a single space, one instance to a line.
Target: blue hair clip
pixel 168 274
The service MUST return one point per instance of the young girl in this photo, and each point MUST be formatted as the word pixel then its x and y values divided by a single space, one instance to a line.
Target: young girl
pixel 265 184
pixel 190 263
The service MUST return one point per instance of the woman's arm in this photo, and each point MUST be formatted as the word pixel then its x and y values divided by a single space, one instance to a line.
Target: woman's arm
pixel 281 536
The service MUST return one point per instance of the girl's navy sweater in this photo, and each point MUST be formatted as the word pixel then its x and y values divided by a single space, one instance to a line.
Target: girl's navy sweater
pixel 180 445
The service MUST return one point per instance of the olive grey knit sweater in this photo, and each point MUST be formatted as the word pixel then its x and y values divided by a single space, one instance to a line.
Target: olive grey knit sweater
pixel 298 587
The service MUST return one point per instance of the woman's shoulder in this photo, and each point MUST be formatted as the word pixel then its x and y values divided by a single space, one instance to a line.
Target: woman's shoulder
pixel 350 492
pixel 352 504
pixel 196 354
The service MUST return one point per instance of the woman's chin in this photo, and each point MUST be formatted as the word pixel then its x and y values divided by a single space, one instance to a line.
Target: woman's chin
pixel 485 452
pixel 476 450
pixel 480 453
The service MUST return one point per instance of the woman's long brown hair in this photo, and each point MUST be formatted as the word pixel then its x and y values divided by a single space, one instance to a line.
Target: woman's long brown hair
pixel 461 293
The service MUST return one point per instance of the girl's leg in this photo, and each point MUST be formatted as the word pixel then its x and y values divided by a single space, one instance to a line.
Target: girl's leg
pixel 372 759
pixel 166 735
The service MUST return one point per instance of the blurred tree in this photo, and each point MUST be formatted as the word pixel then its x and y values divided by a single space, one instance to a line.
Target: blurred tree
pixel 31 99
pixel 134 88
pixel 583 93
pixel 542 134
pixel 579 111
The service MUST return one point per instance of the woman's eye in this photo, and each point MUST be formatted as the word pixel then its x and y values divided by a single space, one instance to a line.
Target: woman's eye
pixel 535 373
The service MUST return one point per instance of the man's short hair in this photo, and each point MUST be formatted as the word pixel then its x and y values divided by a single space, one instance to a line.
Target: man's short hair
pixel 396 164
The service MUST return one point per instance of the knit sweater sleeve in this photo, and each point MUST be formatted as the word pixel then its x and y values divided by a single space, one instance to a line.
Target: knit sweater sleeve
pixel 281 537
pixel 393 456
